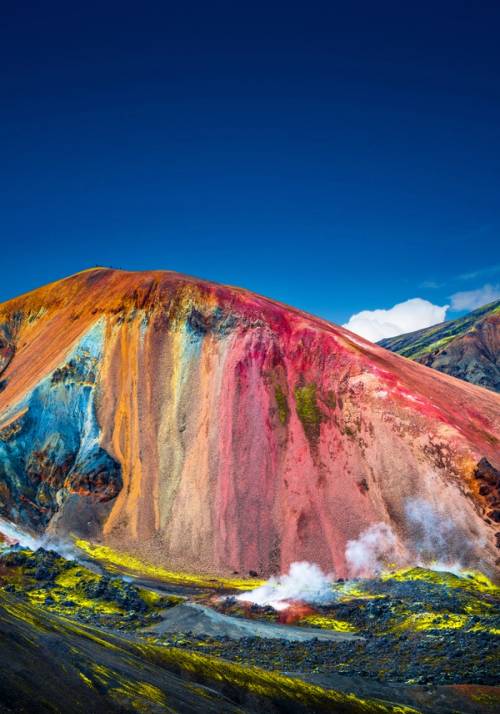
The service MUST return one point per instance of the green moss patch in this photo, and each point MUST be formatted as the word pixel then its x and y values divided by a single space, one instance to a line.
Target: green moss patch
pixel 308 411
pixel 282 403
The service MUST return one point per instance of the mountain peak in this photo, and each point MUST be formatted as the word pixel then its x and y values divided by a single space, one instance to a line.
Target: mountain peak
pixel 208 427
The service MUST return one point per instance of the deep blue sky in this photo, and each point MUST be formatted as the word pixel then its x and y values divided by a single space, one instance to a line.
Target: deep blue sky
pixel 336 156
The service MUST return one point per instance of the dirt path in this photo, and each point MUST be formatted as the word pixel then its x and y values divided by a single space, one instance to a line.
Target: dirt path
pixel 201 620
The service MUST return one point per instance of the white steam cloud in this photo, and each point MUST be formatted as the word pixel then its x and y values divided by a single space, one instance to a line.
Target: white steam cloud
pixel 408 316
pixel 27 540
pixel 372 552
pixel 430 531
pixel 437 539
pixel 13 533
pixel 305 582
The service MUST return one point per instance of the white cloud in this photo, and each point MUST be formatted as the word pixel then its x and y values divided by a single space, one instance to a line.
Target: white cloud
pixel 407 316
pixel 472 299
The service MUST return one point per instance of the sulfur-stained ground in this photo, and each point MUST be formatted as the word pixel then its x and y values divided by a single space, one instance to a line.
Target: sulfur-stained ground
pixel 74 638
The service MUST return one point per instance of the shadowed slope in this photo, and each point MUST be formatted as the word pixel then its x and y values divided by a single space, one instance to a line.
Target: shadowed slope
pixel 205 427
pixel 49 662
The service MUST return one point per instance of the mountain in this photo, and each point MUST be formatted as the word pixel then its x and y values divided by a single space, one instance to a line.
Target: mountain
pixel 207 428
pixel 467 348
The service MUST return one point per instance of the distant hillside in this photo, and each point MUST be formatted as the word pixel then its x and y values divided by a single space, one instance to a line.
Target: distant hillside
pixel 467 348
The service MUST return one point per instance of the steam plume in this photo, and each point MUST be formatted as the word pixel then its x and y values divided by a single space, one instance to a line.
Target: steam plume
pixel 372 552
pixel 437 539
pixel 12 532
pixel 304 581
pixel 27 540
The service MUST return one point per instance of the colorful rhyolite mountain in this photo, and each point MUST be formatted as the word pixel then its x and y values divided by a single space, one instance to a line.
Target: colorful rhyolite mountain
pixel 204 427
pixel 467 348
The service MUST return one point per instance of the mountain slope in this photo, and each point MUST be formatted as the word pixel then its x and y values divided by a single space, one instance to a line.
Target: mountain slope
pixel 467 348
pixel 205 427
